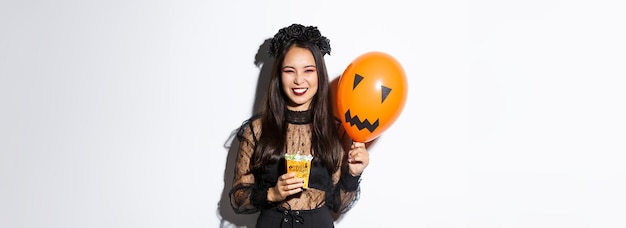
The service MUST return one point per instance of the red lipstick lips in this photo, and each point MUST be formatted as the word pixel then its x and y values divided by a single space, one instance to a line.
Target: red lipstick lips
pixel 299 91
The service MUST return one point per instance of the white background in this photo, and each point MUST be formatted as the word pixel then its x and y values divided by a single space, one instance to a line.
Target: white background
pixel 120 113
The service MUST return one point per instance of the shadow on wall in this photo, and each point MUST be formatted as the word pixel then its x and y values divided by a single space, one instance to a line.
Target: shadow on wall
pixel 227 216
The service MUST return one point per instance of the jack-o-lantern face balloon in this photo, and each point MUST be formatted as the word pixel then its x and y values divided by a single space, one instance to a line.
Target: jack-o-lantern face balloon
pixel 371 94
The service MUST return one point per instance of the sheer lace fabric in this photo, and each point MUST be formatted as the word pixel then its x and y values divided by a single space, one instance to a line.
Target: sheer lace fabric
pixel 337 191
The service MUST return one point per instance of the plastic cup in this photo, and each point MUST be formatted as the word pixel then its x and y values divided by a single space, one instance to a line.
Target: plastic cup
pixel 301 165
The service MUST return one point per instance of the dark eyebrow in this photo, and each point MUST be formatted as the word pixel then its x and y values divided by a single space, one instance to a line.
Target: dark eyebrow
pixel 291 67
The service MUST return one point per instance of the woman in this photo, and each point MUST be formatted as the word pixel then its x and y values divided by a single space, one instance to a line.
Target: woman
pixel 297 119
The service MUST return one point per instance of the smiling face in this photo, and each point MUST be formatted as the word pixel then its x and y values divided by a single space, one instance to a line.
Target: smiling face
pixel 299 78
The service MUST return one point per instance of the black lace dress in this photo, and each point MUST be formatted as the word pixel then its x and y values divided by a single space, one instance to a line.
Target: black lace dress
pixel 328 195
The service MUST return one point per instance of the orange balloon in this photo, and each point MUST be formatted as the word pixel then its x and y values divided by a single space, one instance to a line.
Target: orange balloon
pixel 371 94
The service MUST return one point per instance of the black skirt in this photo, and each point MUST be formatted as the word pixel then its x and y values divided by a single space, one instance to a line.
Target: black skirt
pixel 281 217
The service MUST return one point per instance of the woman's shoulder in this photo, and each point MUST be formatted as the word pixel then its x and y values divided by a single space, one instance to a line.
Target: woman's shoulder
pixel 336 120
pixel 251 125
pixel 337 123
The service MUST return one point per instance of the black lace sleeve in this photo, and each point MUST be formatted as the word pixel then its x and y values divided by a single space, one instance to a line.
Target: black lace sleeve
pixel 347 190
pixel 247 196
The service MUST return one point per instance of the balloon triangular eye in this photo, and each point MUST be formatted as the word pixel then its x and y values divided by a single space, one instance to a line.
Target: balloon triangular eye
pixel 357 80
pixel 385 92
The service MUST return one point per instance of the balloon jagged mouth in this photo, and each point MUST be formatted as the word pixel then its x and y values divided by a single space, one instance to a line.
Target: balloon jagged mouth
pixel 355 120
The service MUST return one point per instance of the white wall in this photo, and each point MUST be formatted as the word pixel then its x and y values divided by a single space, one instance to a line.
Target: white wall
pixel 119 113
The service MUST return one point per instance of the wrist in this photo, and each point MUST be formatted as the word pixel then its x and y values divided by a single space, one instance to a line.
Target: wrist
pixel 349 182
pixel 271 195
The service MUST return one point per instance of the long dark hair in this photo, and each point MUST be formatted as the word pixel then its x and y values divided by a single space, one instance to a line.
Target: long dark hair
pixel 325 144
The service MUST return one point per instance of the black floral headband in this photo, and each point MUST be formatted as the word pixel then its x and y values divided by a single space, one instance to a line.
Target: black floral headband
pixel 299 33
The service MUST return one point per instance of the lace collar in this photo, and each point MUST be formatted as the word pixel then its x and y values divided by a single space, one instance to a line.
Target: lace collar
pixel 299 117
